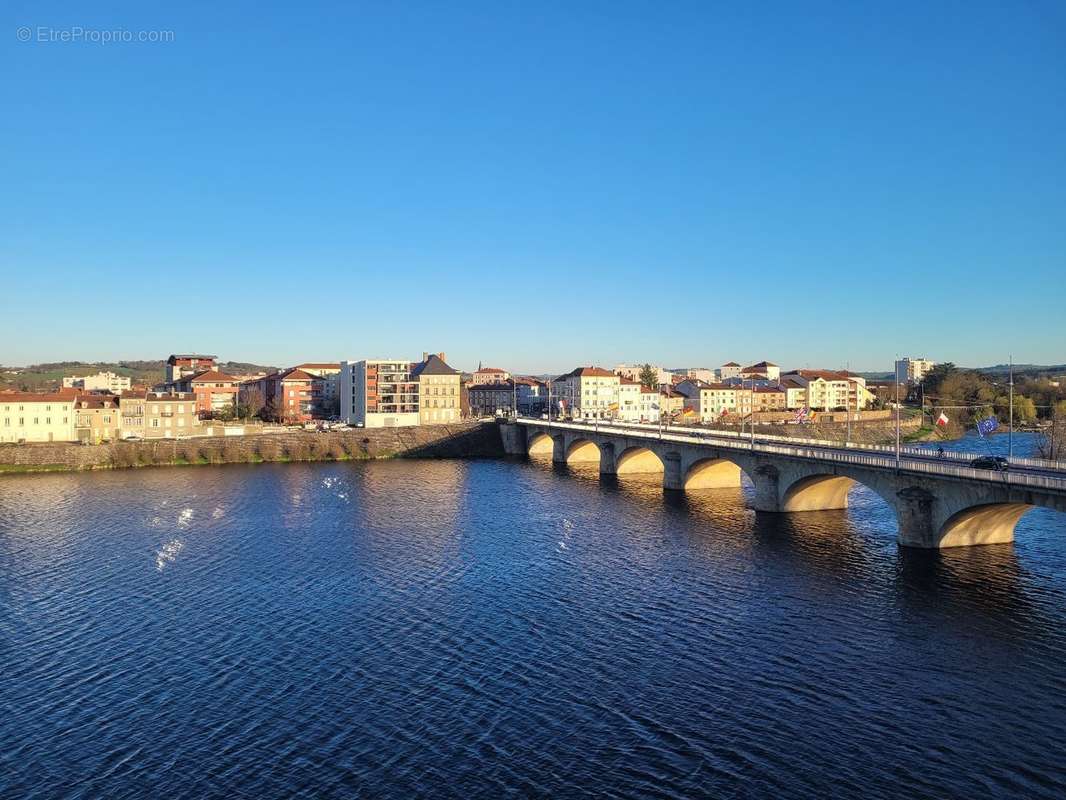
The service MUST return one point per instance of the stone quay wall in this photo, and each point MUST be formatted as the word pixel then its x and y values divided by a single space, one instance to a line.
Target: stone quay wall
pixel 461 440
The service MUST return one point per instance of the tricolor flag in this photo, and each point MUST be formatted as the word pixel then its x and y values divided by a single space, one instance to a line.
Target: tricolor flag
pixel 942 420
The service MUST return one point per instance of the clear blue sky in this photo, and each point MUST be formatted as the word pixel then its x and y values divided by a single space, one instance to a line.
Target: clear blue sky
pixel 536 184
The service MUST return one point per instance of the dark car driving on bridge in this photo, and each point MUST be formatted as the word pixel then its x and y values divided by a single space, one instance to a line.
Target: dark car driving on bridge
pixel 997 463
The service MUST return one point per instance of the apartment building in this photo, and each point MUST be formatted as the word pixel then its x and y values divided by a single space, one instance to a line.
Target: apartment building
pixel 671 403
pixel 912 370
pixel 489 375
pixel 158 415
pixel 292 396
pixel 215 391
pixel 701 374
pixel 628 400
pixel 100 382
pixel 328 401
pixel 731 369
pixel 764 369
pixel 769 398
pixel 439 390
pixel 186 365
pixel 490 399
pixel 795 394
pixel 34 417
pixel 97 418
pixel 378 393
pixel 586 393
pixel 649 404
pixel 712 401
pixel 832 391
pixel 532 396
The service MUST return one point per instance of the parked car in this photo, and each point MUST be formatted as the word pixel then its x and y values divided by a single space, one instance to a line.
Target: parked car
pixel 997 463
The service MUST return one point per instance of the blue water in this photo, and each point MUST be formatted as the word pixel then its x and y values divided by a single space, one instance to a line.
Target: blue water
pixel 491 629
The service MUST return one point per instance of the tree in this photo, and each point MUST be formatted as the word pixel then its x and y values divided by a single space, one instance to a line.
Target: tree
pixel 1024 410
pixel 649 378
pixel 1051 443
pixel 251 402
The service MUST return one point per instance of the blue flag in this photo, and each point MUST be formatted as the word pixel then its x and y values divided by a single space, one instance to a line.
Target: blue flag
pixel 986 426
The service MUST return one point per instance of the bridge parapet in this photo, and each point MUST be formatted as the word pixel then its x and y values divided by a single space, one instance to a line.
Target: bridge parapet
pixel 937 504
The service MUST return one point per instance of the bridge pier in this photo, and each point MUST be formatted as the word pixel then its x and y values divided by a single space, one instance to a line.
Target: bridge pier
pixel 673 477
pixel 914 514
pixel 767 488
pixel 558 450
pixel 608 459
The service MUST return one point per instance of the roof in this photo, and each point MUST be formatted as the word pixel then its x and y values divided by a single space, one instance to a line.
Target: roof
pixel 646 390
pixel 769 389
pixel 731 364
pixel 96 401
pixel 319 365
pixel 294 374
pixel 433 366
pixel 624 381
pixel 588 372
pixel 210 376
pixel 197 356
pixel 35 397
pixel 499 387
pixel 824 374
pixel 490 369
pixel 788 383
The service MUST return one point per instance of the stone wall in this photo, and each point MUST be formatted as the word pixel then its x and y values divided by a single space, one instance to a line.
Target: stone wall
pixel 461 440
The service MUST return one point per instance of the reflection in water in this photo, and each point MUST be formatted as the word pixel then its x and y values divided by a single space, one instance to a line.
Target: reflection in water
pixel 494 628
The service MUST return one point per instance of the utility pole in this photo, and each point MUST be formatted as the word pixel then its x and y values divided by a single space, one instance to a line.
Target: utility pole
pixel 1010 423
pixel 847 404
pixel 895 372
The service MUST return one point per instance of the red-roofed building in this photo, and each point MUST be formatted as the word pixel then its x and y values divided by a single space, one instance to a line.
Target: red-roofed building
pixel 215 391
pixel 586 393
pixel 489 375
pixel 185 365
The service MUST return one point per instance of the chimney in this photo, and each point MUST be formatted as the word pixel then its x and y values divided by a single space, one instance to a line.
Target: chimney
pixel 441 356
pixel 425 356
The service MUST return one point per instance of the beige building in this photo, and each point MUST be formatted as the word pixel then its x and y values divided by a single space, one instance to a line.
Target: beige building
pixel 712 401
pixel 31 417
pixel 764 369
pixel 158 415
pixel 832 391
pixel 489 375
pixel 769 398
pixel 731 369
pixel 671 403
pixel 632 372
pixel 379 393
pixel 438 390
pixel 795 394
pixel 97 418
pixel 100 382
pixel 629 400
pixel 586 393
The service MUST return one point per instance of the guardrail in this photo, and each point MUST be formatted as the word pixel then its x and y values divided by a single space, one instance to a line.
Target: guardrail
pixel 820 453
pixel 949 455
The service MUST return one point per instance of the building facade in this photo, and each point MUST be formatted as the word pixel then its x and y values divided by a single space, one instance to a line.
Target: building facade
pixel 731 369
pixel 186 365
pixel 586 393
pixel 378 393
pixel 100 382
pixel 492 399
pixel 97 418
pixel 633 372
pixel 32 417
pixel 489 375
pixel 158 415
pixel 439 390
pixel 215 391
pixel 912 370
pixel 764 369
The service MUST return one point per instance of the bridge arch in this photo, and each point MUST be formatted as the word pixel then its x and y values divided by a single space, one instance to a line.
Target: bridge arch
pixel 582 451
pixel 712 473
pixel 638 460
pixel 988 523
pixel 817 493
pixel 541 444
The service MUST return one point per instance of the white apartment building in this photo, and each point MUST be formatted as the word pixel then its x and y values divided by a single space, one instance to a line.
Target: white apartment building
pixel 702 374
pixel 100 382
pixel 764 369
pixel 31 417
pixel 628 400
pixel 912 370
pixel 832 391
pixel 378 393
pixel 712 401
pixel 731 369
pixel 649 404
pixel 586 393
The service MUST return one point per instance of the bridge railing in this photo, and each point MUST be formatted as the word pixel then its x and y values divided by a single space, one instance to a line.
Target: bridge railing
pixel 819 453
pixel 697 433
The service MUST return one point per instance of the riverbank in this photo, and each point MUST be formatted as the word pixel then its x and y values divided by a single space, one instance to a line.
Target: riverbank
pixel 464 440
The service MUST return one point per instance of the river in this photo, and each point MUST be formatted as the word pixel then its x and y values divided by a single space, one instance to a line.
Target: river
pixel 489 629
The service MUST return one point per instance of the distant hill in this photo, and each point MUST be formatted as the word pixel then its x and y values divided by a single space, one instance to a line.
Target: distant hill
pixel 46 377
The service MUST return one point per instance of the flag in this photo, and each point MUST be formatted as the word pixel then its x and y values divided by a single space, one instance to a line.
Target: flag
pixel 986 426
pixel 800 414
pixel 942 420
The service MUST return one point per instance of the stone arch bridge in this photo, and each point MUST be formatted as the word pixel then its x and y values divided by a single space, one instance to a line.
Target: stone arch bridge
pixel 937 504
